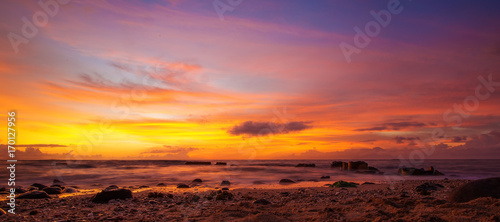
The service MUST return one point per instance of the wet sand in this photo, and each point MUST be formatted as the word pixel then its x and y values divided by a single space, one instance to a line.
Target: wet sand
pixel 298 202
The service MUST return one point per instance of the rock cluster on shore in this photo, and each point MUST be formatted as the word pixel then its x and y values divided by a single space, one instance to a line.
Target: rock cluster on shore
pixel 356 167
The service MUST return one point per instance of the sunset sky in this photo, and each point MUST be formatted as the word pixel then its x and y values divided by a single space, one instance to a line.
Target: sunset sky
pixel 174 79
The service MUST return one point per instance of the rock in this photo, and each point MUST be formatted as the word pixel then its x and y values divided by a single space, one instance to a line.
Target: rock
pixel 39 186
pixel 34 195
pixel 155 195
pixel 197 181
pixel 367 183
pixel 197 163
pixel 221 163
pixel 52 190
pixel 57 182
pixel 110 188
pixel 57 185
pixel 161 185
pixel 20 190
pixel 182 186
pixel 225 183
pixel 286 181
pixel 153 202
pixel 306 165
pixel 224 195
pixel 262 202
pixel 325 177
pixel 424 188
pixel 70 190
pixel 342 183
pixel 225 188
pixel 143 186
pixel 479 188
pixel 357 165
pixel 410 171
pixel 105 196
pixel 336 164
pixel 195 198
pixel 32 188
pixel 34 212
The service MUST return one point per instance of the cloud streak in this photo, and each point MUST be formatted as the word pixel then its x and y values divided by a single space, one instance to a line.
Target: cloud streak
pixel 252 128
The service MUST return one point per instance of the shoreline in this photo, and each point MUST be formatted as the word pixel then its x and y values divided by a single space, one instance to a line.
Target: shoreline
pixel 369 202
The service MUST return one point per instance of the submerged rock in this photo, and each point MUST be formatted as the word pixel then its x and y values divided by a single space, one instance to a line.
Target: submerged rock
pixel 325 177
pixel 182 186
pixel 262 202
pixel 225 183
pixel 479 188
pixel 221 163
pixel 106 195
pixel 306 165
pixel 53 190
pixel 410 171
pixel 34 195
pixel 161 185
pixel 198 163
pixel 286 181
pixel 197 180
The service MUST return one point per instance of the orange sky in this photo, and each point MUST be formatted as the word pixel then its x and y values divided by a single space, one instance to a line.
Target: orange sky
pixel 171 80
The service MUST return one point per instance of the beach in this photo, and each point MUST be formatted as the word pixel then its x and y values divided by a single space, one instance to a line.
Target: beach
pixel 307 201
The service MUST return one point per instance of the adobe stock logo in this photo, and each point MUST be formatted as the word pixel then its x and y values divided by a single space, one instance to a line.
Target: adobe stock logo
pixel 372 29
pixel 39 19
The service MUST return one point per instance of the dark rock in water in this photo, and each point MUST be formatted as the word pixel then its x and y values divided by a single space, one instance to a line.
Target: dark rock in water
pixel 336 164
pixel 370 170
pixel 20 190
pixel 225 183
pixel 197 181
pixel 182 186
pixel 262 202
pixel 357 165
pixel 286 181
pixel 342 183
pixel 367 183
pixel 479 188
pixel 224 195
pixel 161 185
pixel 143 186
pixel 57 185
pixel 53 190
pixel 221 163
pixel 70 190
pixel 306 165
pixel 34 212
pixel 111 187
pixel 57 182
pixel 225 188
pixel 197 163
pixel 410 171
pixel 31 188
pixel 34 195
pixel 39 186
pixel 105 196
pixel 325 177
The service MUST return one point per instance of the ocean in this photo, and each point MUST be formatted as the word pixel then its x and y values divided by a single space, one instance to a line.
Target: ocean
pixel 241 173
